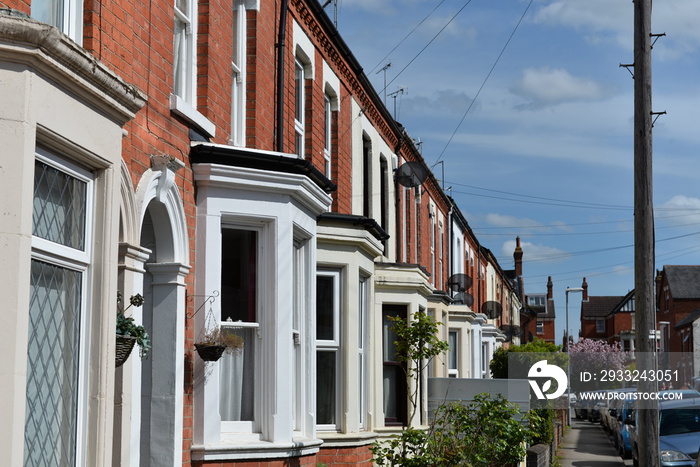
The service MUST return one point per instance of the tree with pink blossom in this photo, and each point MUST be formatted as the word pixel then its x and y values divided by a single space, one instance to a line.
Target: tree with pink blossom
pixel 596 357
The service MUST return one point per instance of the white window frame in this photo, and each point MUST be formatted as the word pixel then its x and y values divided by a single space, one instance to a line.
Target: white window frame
pixel 333 345
pixel 539 327
pixel 184 63
pixel 299 108
pixel 249 426
pixel 328 133
pixel 362 316
pixel 71 21
pixel 433 275
pixel 441 238
pixel 183 100
pixel 238 79
pixel 600 325
pixel 453 353
pixel 77 260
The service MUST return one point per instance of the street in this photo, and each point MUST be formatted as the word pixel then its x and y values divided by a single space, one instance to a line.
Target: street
pixel 585 444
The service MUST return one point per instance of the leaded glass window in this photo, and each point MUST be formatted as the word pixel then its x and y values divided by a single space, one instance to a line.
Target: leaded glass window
pixel 60 260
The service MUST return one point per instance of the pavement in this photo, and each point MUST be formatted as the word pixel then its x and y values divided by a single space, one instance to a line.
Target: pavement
pixel 585 444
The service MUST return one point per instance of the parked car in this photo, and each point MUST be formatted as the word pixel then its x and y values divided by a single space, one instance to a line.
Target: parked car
pixel 679 433
pixel 609 419
pixel 621 430
pixel 608 413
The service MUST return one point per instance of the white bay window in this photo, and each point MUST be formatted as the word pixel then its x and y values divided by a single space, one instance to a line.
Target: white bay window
pixel 55 401
pixel 327 348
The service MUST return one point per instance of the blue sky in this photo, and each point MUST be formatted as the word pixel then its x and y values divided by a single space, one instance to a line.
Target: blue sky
pixel 544 149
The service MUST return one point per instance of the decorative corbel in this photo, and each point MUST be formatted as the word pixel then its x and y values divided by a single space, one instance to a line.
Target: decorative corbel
pixel 167 166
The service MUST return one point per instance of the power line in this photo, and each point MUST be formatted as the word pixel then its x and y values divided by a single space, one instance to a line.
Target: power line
pixel 563 225
pixel 484 82
pixel 537 197
pixel 429 42
pixel 563 234
pixel 405 37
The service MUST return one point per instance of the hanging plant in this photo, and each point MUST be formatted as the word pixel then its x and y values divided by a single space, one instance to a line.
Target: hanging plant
pixel 128 332
pixel 215 342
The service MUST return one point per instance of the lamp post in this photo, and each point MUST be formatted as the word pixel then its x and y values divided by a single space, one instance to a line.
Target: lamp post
pixel 568 336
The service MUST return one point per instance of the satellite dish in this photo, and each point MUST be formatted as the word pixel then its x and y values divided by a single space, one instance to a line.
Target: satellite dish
pixel 411 174
pixel 516 330
pixel 464 298
pixel 507 329
pixel 459 282
pixel 492 309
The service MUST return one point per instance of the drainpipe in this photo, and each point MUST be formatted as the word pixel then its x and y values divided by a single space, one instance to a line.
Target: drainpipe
pixel 281 39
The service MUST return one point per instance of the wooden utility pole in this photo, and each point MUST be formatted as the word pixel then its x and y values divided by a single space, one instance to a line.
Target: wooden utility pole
pixel 648 416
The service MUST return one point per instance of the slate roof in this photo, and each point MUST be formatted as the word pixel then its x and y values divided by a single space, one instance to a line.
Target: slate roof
pixel 543 311
pixel 599 306
pixel 683 281
pixel 688 319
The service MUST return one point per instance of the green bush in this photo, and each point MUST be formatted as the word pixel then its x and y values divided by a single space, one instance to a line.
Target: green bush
pixel 484 433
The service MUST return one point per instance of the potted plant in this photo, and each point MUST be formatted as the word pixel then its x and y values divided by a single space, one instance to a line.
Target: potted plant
pixel 212 345
pixel 128 332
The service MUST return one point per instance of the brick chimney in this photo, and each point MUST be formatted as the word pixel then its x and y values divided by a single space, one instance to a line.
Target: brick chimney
pixel 518 257
pixel 584 286
pixel 550 286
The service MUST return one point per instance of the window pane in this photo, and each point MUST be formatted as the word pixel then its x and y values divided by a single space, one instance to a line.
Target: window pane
pixel 325 388
pixel 298 92
pixel 182 6
pixel 325 302
pixel 453 350
pixel 238 275
pixel 52 366
pixel 237 379
pixel 48 11
pixel 393 384
pixel 180 59
pixel 59 207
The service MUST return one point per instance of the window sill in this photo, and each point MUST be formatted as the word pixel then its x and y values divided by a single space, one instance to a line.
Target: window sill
pixel 255 450
pixel 345 440
pixel 183 109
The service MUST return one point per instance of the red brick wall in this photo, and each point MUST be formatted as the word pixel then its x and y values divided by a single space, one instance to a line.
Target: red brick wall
pixel 331 457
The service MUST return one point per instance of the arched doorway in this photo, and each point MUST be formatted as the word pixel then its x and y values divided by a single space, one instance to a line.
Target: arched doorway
pixel 154 262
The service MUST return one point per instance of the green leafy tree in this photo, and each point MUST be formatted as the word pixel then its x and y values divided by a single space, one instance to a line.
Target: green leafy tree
pixel 417 343
pixel 487 432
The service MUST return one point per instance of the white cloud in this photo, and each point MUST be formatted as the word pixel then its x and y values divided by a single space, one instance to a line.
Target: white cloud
pixel 606 21
pixel 622 270
pixel 500 220
pixel 441 102
pixel 679 210
pixel 533 252
pixel 547 86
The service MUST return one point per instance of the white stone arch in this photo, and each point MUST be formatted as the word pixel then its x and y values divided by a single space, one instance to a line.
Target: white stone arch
pixel 156 438
pixel 128 213
pixel 158 184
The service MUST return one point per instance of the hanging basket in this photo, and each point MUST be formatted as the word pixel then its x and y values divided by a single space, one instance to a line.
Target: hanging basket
pixel 210 353
pixel 125 344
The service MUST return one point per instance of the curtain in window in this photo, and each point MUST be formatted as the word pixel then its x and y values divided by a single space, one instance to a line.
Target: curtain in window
pixel 179 59
pixel 52 366
pixel 325 388
pixel 236 380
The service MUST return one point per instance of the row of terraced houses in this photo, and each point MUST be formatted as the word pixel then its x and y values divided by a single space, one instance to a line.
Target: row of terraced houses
pixel 231 162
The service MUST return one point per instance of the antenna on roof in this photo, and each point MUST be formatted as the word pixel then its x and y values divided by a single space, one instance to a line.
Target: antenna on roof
pixel 335 10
